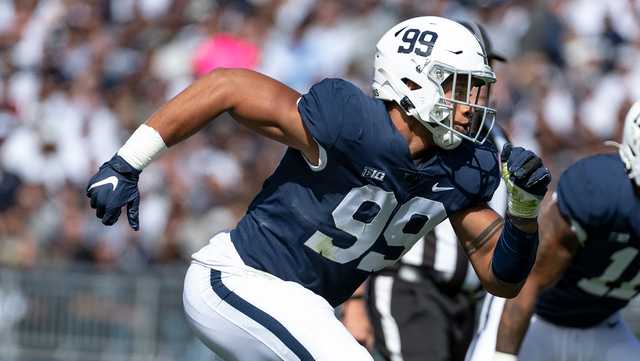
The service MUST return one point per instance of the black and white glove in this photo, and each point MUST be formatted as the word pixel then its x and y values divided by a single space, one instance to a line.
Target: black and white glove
pixel 113 186
pixel 526 178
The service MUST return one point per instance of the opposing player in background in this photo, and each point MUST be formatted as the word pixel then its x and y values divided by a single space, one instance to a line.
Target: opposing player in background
pixel 432 290
pixel 588 266
pixel 362 180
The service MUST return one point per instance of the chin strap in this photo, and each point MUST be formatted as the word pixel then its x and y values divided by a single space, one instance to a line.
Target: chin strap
pixel 443 137
pixel 407 105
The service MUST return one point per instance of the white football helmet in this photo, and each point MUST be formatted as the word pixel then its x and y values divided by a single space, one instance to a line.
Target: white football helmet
pixel 630 148
pixel 436 54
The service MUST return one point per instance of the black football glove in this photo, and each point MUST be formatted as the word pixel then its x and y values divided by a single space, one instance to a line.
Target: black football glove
pixel 114 185
pixel 526 178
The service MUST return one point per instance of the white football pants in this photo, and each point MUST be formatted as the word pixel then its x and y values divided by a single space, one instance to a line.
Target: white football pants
pixel 243 314
pixel 611 340
pixel 483 345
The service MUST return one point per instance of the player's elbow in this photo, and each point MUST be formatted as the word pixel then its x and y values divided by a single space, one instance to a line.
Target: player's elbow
pixel 220 86
pixel 503 289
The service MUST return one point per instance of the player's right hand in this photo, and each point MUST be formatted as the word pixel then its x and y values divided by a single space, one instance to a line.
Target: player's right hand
pixel 356 321
pixel 113 186
pixel 526 178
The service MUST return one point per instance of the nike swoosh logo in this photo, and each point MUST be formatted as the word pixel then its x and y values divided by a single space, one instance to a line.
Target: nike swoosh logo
pixel 435 188
pixel 113 180
pixel 399 31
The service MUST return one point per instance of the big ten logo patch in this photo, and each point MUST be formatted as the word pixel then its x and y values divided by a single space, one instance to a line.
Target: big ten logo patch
pixel 373 173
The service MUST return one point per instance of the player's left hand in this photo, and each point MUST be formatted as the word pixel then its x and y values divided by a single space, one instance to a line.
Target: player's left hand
pixel 113 186
pixel 527 180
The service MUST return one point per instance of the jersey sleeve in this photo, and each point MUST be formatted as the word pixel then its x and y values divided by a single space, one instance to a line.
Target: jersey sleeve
pixel 323 110
pixel 583 197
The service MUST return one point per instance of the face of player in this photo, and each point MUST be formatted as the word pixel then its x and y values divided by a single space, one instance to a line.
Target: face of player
pixel 462 113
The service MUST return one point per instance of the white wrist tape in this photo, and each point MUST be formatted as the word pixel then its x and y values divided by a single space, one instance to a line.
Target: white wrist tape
pixel 144 145
pixel 501 356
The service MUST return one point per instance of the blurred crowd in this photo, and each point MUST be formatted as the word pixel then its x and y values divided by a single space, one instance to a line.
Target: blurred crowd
pixel 77 77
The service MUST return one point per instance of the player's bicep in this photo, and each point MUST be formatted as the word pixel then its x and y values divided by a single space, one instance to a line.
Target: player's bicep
pixel 269 108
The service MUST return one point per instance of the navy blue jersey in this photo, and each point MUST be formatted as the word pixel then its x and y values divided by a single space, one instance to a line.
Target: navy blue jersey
pixel 328 228
pixel 599 199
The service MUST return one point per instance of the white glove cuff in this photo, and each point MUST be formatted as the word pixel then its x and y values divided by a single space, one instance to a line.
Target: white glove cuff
pixel 522 204
pixel 501 356
pixel 144 145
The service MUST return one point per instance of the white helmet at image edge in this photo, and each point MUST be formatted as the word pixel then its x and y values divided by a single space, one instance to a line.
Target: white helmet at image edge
pixel 629 149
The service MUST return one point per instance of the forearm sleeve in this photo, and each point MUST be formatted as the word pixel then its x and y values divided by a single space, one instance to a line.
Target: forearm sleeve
pixel 514 254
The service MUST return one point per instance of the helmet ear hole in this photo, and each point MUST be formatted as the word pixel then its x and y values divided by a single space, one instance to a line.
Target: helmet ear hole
pixel 411 84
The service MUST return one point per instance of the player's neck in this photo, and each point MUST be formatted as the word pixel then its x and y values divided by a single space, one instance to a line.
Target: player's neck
pixel 418 138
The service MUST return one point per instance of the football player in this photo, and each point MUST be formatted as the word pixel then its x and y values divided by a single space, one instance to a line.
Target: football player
pixel 588 267
pixel 430 290
pixel 362 180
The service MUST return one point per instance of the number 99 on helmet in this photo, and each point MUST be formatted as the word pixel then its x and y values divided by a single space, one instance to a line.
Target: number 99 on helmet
pixel 431 66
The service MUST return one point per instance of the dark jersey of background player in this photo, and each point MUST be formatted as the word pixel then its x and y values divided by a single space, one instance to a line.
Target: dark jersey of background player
pixel 597 198
pixel 313 226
